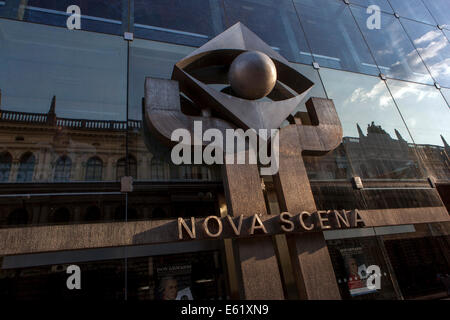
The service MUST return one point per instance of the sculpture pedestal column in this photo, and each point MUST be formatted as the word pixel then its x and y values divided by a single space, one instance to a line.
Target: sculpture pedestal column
pixel 312 267
pixel 310 258
pixel 257 258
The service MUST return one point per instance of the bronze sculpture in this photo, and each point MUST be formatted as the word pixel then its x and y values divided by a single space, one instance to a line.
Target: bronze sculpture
pixel 231 59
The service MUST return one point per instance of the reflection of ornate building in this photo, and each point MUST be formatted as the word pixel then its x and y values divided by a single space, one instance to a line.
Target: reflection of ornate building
pixel 436 159
pixel 377 155
pixel 43 148
pixel 42 152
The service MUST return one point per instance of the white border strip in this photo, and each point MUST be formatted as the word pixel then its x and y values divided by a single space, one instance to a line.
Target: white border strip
pixel 367 232
pixel 374 66
pixel 61 13
pixel 144 26
pixel 320 56
pixel 351 233
pixel 380 231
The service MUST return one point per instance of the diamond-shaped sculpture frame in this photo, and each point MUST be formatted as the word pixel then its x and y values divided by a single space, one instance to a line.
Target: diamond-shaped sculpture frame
pixel 291 87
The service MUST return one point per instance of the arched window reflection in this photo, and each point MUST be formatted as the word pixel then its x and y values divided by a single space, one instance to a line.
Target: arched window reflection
pixel 63 169
pixel 132 163
pixel 18 217
pixel 121 167
pixel 5 166
pixel 94 169
pixel 191 172
pixel 93 213
pixel 26 168
pixel 62 215
pixel 157 169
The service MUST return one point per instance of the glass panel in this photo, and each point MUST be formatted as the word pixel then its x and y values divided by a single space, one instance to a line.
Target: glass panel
pixel 440 9
pixel 376 140
pixel 154 165
pixel 447 34
pixel 155 59
pixel 4 10
pixel 191 22
pixel 427 116
pixel 420 264
pixel 383 4
pixel 351 258
pixel 65 94
pixel 58 205
pixel 5 166
pixel 26 168
pixel 182 276
pixel 412 9
pixel 99 280
pixel 433 48
pixel 100 15
pixel 446 93
pixel 63 168
pixel 334 36
pixel 316 91
pixel 332 166
pixel 393 51
pixel 150 59
pixel 283 33
pixel 189 276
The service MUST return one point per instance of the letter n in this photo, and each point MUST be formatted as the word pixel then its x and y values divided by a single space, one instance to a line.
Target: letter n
pixel 182 225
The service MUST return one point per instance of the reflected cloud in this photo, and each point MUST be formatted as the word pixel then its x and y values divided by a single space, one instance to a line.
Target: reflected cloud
pixel 433 48
pixel 376 94
pixel 409 90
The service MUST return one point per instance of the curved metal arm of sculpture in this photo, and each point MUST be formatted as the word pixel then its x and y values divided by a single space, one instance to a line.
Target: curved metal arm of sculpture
pixel 325 132
pixel 163 113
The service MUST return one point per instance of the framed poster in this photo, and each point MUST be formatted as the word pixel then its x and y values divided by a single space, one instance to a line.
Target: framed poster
pixel 356 265
pixel 173 282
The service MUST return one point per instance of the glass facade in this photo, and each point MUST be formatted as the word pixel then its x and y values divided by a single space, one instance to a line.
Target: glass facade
pixel 400 60
pixel 433 48
pixel 283 24
pixel 440 10
pixel 72 126
pixel 413 9
pixel 384 5
pixel 334 36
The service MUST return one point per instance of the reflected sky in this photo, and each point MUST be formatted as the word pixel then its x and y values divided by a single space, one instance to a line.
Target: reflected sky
pixel 440 9
pixel 447 34
pixel 424 110
pixel 86 71
pixel 317 89
pixel 446 93
pixel 362 100
pixel 433 47
pixel 412 9
pixel 191 22
pixel 100 15
pixel 150 59
pixel 383 4
pixel 392 49
pixel 275 22
pixel 334 36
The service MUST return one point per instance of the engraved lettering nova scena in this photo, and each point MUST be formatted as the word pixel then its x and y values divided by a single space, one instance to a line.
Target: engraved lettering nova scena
pixel 240 226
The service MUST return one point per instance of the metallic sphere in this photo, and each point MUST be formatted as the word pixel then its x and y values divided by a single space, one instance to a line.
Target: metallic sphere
pixel 252 75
